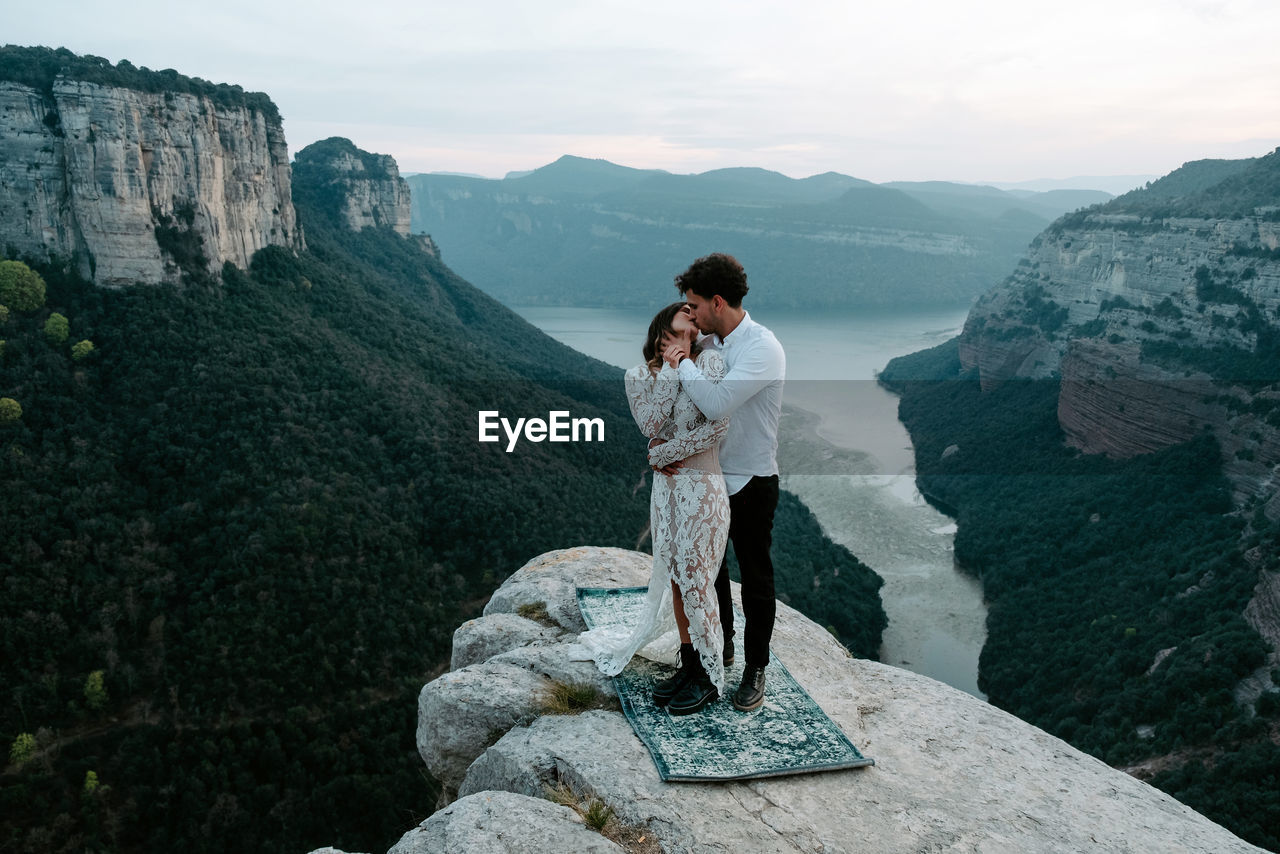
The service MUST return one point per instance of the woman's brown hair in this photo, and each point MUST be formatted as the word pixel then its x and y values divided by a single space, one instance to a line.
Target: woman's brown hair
pixel 661 325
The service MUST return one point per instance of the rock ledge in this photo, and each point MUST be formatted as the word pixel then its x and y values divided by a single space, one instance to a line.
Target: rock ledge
pixel 952 772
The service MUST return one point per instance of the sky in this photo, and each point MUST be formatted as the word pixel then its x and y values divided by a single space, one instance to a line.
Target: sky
pixel 998 91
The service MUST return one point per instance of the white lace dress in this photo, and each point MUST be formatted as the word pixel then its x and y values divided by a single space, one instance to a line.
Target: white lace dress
pixel 688 521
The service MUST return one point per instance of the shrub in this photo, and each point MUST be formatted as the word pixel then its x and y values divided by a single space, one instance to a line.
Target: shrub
pixel 23 748
pixel 20 286
pixel 95 692
pixel 57 328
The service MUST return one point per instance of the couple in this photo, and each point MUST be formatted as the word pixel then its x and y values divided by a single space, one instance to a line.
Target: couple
pixel 710 406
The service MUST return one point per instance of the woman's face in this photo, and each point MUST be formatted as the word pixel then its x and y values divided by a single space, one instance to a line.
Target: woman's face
pixel 682 323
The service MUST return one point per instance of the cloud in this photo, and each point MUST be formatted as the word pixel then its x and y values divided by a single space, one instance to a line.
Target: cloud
pixel 910 90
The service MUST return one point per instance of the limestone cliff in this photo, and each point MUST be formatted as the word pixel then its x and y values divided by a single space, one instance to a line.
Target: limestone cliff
pixel 99 172
pixel 952 773
pixel 357 189
pixel 1161 313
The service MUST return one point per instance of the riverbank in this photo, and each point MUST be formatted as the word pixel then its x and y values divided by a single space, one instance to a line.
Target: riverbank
pixel 937 617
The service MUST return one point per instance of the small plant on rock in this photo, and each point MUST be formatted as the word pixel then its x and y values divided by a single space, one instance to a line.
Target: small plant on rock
pixel 597 815
pixel 572 698
pixel 536 611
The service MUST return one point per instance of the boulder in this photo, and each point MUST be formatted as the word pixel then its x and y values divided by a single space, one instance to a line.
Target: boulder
pixel 479 640
pixel 552 578
pixel 503 823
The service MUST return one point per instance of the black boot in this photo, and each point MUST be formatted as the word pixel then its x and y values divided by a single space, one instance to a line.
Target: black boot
pixel 668 688
pixel 696 693
pixel 750 694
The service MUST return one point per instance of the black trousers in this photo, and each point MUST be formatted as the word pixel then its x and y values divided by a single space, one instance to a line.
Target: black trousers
pixel 751 512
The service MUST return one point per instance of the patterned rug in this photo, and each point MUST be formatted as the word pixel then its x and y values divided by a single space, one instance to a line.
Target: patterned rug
pixel 789 734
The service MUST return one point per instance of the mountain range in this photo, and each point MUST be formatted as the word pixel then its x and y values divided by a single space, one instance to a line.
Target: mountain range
pixel 589 232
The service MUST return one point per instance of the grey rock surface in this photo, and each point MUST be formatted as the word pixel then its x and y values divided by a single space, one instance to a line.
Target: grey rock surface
pixel 479 640
pixel 952 772
pixel 463 712
pixel 552 577
pixel 88 169
pixel 509 663
pixel 1088 300
pixel 375 196
pixel 503 823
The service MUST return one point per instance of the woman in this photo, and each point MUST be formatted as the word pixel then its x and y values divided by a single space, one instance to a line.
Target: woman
pixel 688 520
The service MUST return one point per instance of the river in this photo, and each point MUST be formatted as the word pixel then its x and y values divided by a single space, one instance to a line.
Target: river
pixel 844 453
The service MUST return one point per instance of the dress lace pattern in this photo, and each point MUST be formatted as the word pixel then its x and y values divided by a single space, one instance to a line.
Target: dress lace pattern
pixel 688 520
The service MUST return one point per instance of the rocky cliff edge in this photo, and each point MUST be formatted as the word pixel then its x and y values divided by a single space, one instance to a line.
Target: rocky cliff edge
pixel 952 772
pixel 103 173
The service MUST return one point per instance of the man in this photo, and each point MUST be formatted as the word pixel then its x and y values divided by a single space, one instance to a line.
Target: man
pixel 751 393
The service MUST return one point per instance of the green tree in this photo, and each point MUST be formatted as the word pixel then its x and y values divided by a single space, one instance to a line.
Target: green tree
pixel 20 286
pixel 4 313
pixel 10 410
pixel 91 783
pixel 24 747
pixel 79 350
pixel 57 328
pixel 95 693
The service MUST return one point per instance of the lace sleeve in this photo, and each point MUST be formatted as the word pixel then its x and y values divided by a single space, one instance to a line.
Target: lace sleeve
pixel 652 397
pixel 687 443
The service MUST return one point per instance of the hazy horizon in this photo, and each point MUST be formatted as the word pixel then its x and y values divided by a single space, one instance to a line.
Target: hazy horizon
pixel 993 93
pixel 1114 184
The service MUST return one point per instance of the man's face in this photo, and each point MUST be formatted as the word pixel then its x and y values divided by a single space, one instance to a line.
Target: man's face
pixel 701 311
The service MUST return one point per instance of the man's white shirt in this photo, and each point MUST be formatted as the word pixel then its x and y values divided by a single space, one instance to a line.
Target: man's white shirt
pixel 751 393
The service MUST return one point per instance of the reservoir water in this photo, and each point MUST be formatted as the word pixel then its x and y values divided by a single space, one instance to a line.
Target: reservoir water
pixel 844 453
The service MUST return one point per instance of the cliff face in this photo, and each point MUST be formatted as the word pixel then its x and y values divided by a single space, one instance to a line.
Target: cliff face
pixel 357 189
pixel 91 171
pixel 376 195
pixel 951 771
pixel 1161 326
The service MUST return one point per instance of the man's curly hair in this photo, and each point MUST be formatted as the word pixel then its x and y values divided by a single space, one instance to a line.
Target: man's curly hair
pixel 716 274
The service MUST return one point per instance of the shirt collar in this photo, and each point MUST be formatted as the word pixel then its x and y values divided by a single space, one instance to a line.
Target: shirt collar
pixel 738 333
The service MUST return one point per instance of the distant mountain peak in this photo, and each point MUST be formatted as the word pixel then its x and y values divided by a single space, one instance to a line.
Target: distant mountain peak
pixel 581 175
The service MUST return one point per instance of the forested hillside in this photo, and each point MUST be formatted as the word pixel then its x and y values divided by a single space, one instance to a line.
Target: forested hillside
pixel 241 527
pixel 1116 588
pixel 258 510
